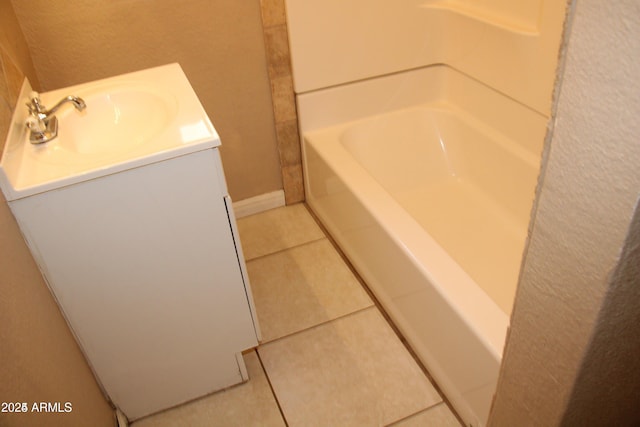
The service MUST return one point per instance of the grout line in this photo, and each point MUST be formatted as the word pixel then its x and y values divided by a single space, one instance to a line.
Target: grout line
pixel 317 325
pixel 386 316
pixel 273 392
pixel 420 412
pixel 286 249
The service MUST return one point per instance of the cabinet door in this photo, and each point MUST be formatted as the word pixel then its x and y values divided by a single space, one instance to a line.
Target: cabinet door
pixel 144 268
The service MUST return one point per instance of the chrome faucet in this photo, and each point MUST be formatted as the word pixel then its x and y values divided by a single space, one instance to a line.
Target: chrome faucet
pixel 41 122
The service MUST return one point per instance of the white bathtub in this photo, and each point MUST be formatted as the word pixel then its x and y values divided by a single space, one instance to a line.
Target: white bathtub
pixel 425 179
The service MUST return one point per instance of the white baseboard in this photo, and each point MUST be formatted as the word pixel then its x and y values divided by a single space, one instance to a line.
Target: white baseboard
pixel 257 204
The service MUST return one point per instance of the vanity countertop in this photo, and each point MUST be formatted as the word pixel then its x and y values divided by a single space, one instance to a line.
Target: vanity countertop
pixel 131 120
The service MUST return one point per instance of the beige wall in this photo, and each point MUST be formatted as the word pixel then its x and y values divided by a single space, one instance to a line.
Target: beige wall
pixel 219 44
pixel 39 358
pixel 585 203
pixel 15 62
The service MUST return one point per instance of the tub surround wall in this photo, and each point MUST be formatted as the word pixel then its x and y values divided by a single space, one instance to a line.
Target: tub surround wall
pixel 276 42
pixel 503 44
pixel 218 43
pixel 563 321
pixel 334 106
pixel 39 358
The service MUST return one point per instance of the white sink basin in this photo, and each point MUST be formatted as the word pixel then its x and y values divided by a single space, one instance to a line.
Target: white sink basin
pixel 117 119
pixel 130 120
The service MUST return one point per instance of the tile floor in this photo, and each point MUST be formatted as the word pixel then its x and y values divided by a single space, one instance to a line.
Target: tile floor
pixel 327 358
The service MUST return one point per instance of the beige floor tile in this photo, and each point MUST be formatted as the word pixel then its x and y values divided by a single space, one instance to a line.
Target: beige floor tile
pixel 303 287
pixel 353 371
pixel 438 416
pixel 248 404
pixel 277 229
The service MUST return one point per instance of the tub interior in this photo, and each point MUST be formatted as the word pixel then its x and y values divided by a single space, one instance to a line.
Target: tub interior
pixel 465 183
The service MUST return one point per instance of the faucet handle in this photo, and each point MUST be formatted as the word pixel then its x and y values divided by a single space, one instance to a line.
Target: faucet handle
pixel 34 104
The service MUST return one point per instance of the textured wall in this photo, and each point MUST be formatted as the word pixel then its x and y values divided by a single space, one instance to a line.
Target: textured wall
pixel 584 207
pixel 219 44
pixel 608 385
pixel 39 358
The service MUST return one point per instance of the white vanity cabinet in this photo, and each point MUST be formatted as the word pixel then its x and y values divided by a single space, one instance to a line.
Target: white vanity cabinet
pixel 127 214
pixel 147 268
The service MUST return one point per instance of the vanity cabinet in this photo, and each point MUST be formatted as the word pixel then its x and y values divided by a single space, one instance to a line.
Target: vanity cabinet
pixel 147 268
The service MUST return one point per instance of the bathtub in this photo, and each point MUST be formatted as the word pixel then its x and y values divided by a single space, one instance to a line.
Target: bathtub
pixel 426 179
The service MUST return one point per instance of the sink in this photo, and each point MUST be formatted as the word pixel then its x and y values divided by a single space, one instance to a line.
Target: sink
pixel 130 120
pixel 118 118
